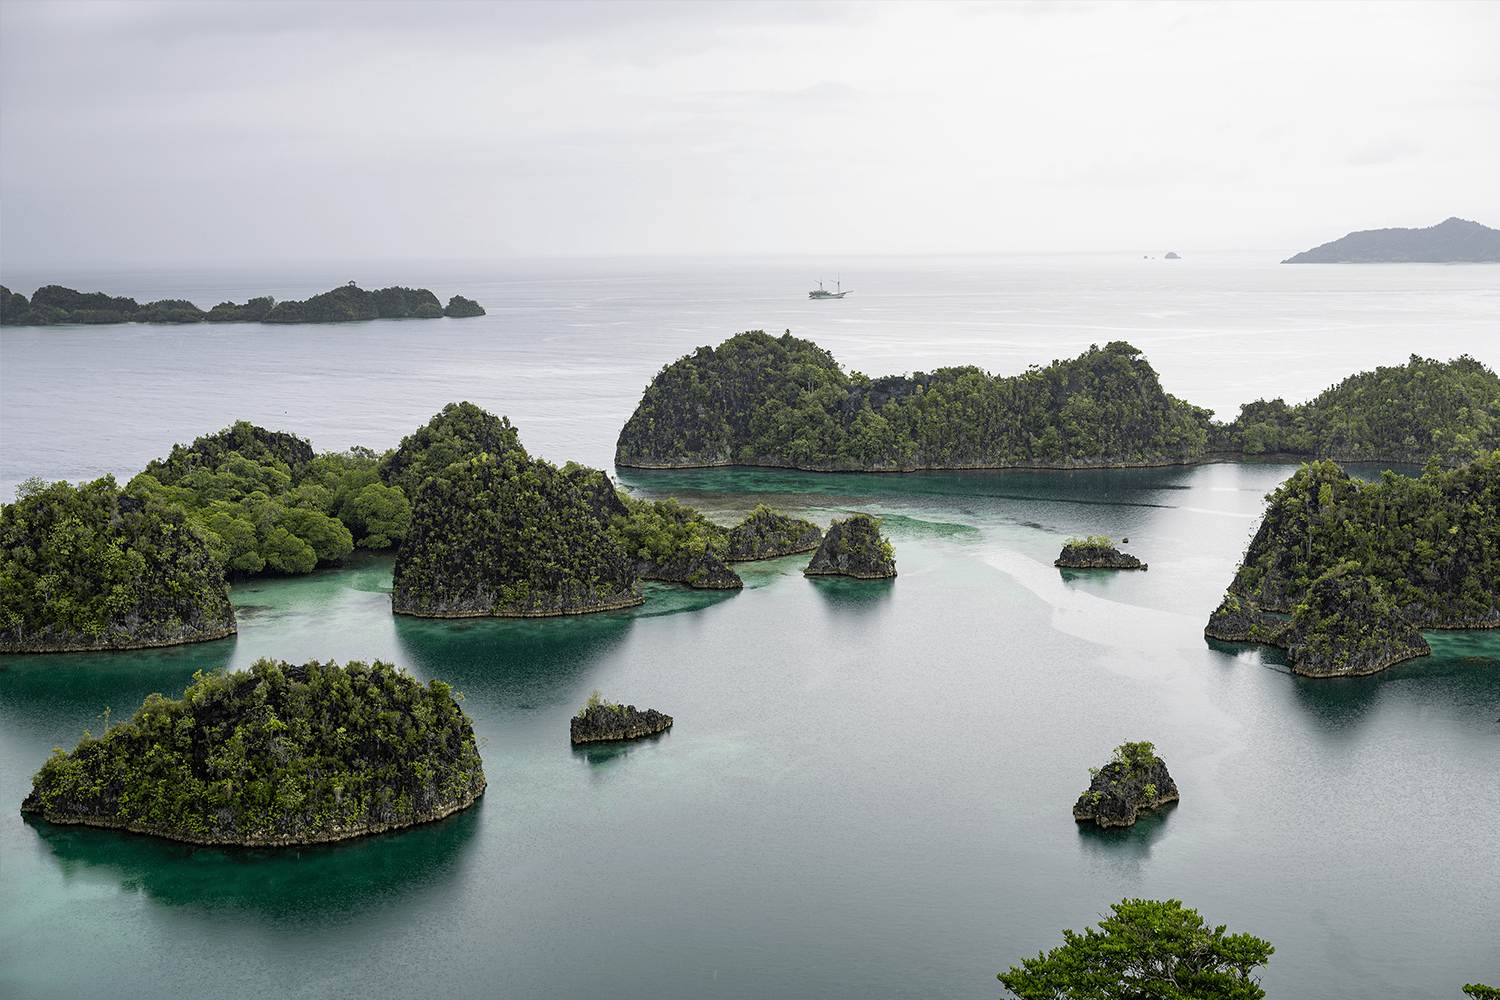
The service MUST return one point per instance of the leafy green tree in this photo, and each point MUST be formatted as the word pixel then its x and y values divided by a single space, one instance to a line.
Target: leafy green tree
pixel 1146 950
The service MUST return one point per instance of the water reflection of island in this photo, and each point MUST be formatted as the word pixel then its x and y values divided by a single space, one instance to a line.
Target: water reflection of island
pixel 338 882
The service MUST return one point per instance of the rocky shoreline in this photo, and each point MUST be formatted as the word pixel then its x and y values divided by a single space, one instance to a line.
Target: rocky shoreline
pixel 334 834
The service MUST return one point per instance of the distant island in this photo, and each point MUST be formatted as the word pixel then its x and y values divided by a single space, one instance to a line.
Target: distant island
pixel 53 305
pixel 277 755
pixel 1453 241
pixel 784 402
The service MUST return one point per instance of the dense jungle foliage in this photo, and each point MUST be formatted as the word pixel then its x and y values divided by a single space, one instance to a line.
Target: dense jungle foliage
pixel 459 432
pixel 1403 414
pixel 673 543
pixel 507 535
pixel 663 530
pixel 265 501
pixel 762 400
pixel 90 567
pixel 51 305
pixel 275 754
pixel 1431 543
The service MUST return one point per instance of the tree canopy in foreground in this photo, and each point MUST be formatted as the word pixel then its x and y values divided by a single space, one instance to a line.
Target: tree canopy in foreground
pixel 1146 950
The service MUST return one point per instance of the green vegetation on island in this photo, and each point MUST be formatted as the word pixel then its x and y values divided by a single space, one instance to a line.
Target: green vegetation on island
pixel 854 547
pixel 497 533
pixel 782 401
pixel 276 755
pixel 265 501
pixel 1145 948
pixel 1452 241
pixel 1431 542
pixel 507 536
pixel 1403 414
pixel 674 543
pixel 52 305
pixel 1135 779
pixel 768 532
pixel 458 432
pixel 1361 566
pixel 94 568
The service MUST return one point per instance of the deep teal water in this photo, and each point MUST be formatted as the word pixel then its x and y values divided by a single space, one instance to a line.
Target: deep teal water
pixel 867 791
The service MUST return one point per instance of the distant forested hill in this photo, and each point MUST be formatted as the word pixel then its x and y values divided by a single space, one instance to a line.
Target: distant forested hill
pixel 782 401
pixel 1453 241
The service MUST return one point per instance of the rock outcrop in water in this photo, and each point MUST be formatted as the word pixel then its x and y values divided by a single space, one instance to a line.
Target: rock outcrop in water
pixel 601 720
pixel 278 755
pixel 91 567
pixel 854 547
pixel 1134 780
pixel 1095 552
pixel 768 533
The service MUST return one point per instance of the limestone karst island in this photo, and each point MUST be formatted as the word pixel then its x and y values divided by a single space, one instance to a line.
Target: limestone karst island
pixel 278 755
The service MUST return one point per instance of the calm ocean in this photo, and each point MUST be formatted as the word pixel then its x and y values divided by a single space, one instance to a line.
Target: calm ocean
pixel 867 791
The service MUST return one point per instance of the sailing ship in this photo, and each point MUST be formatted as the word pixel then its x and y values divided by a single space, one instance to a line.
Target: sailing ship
pixel 822 293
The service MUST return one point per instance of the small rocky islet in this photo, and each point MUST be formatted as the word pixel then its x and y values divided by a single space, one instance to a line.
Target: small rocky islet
pixel 1095 552
pixel 601 720
pixel 278 755
pixel 1133 781
pixel 854 547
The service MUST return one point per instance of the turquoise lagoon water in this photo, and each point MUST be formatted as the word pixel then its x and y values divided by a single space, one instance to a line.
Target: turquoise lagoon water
pixel 868 787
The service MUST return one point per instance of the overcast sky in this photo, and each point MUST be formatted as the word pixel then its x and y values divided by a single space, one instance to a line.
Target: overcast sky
pixel 226 132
